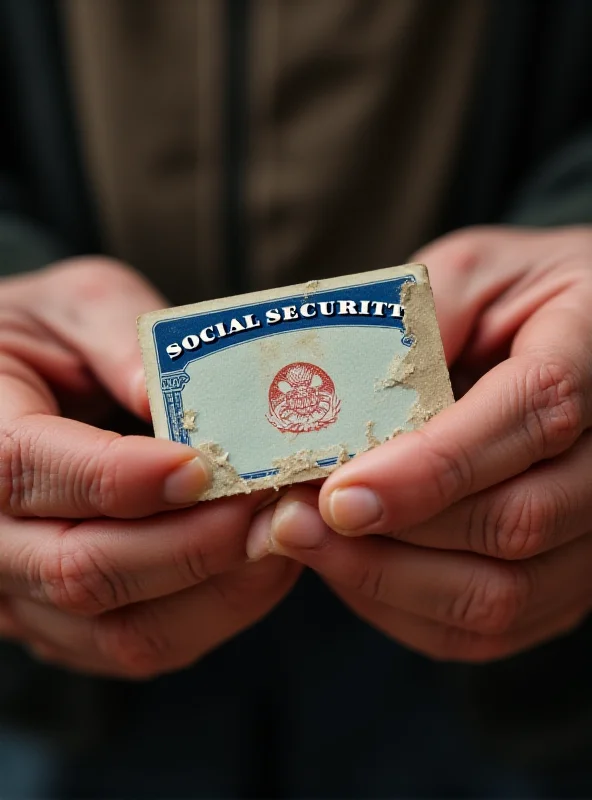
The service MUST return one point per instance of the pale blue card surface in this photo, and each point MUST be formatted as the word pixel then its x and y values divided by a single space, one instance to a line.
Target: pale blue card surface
pixel 282 386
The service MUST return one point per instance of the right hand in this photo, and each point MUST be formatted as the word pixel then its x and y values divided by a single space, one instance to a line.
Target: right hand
pixel 93 574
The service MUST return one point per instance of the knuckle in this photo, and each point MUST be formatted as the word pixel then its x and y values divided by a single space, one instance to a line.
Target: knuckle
pixel 519 523
pixel 492 601
pixel 17 469
pixel 18 321
pixel 135 646
pixel 11 470
pixel 461 250
pixel 372 582
pixel 102 477
pixel 554 404
pixel 77 578
pixel 191 564
pixel 32 478
pixel 449 472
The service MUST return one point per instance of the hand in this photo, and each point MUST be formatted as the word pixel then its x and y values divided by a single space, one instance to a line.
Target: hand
pixel 93 574
pixel 485 514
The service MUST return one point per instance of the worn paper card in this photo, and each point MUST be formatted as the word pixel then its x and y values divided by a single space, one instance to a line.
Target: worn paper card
pixel 282 386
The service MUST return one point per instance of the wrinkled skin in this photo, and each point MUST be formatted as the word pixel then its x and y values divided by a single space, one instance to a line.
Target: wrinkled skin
pixel 482 541
pixel 471 539
pixel 105 566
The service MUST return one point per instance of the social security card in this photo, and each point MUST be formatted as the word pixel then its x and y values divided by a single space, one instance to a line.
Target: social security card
pixel 285 385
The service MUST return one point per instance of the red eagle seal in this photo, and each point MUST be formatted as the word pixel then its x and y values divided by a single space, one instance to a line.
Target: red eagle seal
pixel 302 399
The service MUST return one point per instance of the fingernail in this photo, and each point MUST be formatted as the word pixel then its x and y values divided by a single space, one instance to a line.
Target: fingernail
pixel 271 496
pixel 258 538
pixel 353 509
pixel 296 526
pixel 185 484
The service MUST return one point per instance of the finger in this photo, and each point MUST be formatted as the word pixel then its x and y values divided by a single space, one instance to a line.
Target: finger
pixel 529 408
pixel 65 368
pixel 449 643
pixel 97 565
pixel 546 507
pixel 24 343
pixel 457 589
pixel 487 280
pixel 54 381
pixel 92 306
pixel 463 282
pixel 148 639
pixel 547 284
pixel 54 467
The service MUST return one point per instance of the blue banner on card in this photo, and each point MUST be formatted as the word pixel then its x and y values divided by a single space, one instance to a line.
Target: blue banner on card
pixel 180 341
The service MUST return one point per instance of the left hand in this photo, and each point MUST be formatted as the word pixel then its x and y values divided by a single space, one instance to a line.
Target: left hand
pixel 485 514
pixel 107 565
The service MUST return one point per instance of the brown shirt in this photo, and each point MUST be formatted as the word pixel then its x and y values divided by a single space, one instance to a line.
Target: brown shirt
pixel 355 110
